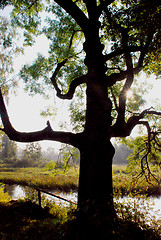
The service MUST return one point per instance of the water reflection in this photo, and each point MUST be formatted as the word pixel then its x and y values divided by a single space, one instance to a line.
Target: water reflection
pixel 17 191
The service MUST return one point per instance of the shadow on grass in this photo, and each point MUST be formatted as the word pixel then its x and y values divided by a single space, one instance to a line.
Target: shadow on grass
pixel 20 220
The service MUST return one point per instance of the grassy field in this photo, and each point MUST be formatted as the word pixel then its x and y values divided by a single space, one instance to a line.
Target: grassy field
pixel 39 178
pixel 123 183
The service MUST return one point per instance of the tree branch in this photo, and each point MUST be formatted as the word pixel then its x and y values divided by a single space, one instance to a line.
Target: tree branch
pixel 70 7
pixel 145 157
pixel 74 84
pixel 125 129
pixel 117 77
pixel 129 79
pixel 114 99
pixel 45 134
pixel 120 51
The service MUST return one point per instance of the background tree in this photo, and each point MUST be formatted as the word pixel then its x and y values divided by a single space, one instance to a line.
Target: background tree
pixel 146 157
pixel 102 46
pixel 31 156
pixel 8 50
pixel 8 150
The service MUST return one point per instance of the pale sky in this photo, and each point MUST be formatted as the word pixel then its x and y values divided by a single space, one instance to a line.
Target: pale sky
pixel 24 111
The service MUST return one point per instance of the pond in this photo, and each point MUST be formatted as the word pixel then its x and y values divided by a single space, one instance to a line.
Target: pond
pixel 17 191
pixel 152 204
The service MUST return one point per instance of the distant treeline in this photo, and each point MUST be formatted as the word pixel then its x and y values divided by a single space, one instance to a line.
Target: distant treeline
pixel 121 154
pixel 34 156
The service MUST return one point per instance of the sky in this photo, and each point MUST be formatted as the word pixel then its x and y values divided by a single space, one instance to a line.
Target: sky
pixel 24 110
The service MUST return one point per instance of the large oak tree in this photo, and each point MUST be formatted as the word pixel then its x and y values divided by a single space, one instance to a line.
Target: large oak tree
pixel 102 45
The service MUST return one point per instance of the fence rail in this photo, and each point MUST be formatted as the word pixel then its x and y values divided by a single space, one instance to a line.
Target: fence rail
pixel 51 194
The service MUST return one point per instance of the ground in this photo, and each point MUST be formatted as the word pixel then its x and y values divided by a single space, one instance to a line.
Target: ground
pixel 25 220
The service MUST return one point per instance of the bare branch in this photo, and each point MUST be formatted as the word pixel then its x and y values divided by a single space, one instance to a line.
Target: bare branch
pixel 135 120
pixel 146 124
pixel 45 134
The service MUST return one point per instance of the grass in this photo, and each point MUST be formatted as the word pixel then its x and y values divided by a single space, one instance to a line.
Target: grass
pixel 123 182
pixel 37 177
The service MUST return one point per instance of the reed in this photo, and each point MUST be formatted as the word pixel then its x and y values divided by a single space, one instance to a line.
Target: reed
pixel 123 182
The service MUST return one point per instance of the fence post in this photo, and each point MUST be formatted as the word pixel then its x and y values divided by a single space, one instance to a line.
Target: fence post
pixel 39 197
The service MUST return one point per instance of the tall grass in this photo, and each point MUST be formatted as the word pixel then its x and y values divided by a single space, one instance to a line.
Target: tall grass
pixel 38 178
pixel 123 182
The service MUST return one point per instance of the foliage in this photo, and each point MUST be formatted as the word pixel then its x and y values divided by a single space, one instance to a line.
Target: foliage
pixel 31 156
pixel 137 210
pixel 4 196
pixel 9 48
pixel 55 208
pixel 53 168
pixel 145 158
pixel 31 222
pixel 123 183
pixel 66 49
pixel 77 110
pixel 8 150
pixel 68 157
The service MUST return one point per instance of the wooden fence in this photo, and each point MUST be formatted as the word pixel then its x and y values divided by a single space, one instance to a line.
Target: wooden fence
pixel 51 194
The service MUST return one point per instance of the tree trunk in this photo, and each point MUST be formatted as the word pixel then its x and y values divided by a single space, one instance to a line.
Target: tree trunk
pixel 95 193
pixel 95 181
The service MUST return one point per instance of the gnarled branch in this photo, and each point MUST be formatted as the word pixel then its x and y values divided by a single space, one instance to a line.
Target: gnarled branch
pixel 117 77
pixel 45 134
pixel 125 129
pixel 75 83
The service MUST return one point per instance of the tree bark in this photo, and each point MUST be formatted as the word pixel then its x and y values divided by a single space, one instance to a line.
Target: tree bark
pixel 95 181
pixel 96 214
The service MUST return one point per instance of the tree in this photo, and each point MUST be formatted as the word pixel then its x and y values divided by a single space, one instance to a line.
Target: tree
pixel 31 155
pixel 146 152
pixel 102 45
pixel 8 150
pixel 8 50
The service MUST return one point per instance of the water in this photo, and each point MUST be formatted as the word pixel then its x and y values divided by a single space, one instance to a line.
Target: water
pixel 150 206
pixel 17 191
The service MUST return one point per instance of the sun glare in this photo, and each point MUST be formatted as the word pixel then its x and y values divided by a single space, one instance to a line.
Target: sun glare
pixel 129 94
